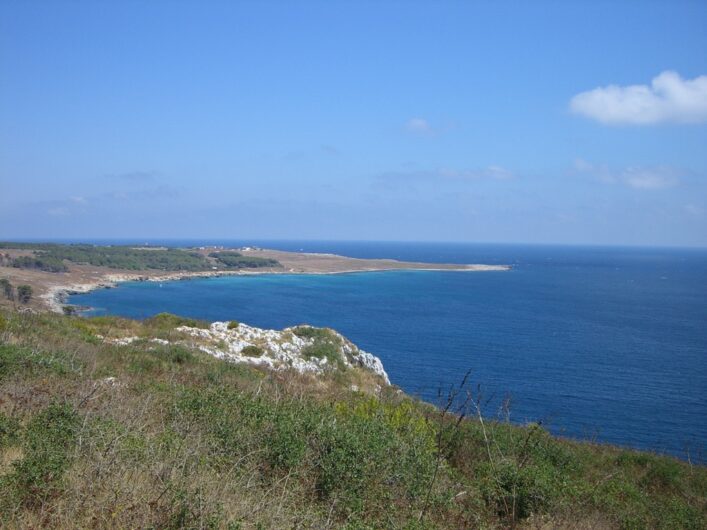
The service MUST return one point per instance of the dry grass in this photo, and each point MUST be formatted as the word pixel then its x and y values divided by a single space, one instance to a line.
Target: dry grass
pixel 94 435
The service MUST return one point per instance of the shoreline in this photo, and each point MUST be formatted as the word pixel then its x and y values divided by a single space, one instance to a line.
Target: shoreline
pixel 51 289
pixel 55 297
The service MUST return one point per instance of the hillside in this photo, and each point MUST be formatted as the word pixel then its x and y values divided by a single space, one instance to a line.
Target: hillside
pixel 113 423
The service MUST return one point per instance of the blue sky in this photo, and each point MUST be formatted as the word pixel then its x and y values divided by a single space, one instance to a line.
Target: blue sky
pixel 536 122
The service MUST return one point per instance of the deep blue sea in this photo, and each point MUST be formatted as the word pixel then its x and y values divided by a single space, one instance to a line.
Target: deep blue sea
pixel 598 343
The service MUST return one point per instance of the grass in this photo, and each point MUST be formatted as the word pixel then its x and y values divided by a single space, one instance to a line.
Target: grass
pixel 94 435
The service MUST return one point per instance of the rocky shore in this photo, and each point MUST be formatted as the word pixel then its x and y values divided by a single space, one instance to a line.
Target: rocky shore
pixel 303 348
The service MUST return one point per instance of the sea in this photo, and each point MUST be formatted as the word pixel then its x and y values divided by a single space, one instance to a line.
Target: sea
pixel 604 344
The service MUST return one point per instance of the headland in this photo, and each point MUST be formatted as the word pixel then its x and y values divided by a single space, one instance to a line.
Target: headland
pixel 54 271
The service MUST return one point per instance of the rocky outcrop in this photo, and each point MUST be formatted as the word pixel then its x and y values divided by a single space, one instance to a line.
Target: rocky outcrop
pixel 302 348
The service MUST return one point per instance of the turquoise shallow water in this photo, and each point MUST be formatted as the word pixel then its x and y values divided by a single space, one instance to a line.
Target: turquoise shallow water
pixel 601 343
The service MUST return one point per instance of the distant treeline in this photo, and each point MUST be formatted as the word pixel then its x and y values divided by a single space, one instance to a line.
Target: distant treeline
pixel 51 256
pixel 44 263
pixel 235 260
pixel 41 262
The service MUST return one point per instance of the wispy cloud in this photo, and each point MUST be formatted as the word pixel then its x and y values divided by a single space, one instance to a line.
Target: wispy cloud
pixel 669 98
pixel 488 172
pixel 74 205
pixel 636 177
pixel 418 126
pixel 694 210
pixel 134 176
pixel 152 193
pixel 330 150
pixel 441 174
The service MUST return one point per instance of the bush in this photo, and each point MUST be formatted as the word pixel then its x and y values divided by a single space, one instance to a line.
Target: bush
pixel 23 361
pixel 7 289
pixel 9 430
pixel 310 332
pixel 167 321
pixel 24 293
pixel 322 349
pixel 325 344
pixel 252 351
pixel 48 442
pixel 233 324
pixel 180 355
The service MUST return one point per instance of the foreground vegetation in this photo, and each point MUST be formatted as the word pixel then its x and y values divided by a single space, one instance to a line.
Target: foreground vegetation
pixel 51 257
pixel 93 434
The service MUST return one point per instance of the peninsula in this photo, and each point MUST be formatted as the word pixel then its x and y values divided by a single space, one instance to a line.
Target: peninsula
pixel 54 270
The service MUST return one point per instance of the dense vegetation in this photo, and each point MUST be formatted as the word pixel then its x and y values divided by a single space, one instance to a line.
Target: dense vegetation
pixel 160 435
pixel 23 293
pixel 51 257
pixel 235 260
pixel 42 262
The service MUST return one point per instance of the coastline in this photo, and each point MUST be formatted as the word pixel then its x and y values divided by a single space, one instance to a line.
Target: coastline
pixel 55 297
pixel 52 289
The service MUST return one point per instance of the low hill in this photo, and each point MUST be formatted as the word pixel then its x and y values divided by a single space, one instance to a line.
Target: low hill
pixel 109 422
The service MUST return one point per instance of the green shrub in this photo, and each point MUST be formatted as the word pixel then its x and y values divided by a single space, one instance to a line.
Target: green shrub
pixel 179 355
pixel 167 321
pixel 233 324
pixel 24 293
pixel 252 351
pixel 7 289
pixel 48 443
pixel 310 332
pixel 286 439
pixel 9 430
pixel 23 361
pixel 323 349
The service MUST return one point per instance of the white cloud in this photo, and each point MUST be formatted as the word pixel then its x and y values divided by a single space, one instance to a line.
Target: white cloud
pixel 640 178
pixel 669 98
pixel 134 176
pixel 649 178
pixel 418 126
pixel 694 210
pixel 489 172
pixel 492 172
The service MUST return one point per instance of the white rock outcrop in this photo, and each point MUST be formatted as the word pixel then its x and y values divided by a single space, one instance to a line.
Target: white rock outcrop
pixel 279 349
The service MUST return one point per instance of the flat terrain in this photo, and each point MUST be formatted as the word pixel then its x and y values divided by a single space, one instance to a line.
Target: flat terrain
pixel 302 262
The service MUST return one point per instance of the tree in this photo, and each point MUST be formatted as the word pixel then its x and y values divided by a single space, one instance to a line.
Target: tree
pixel 6 288
pixel 24 293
